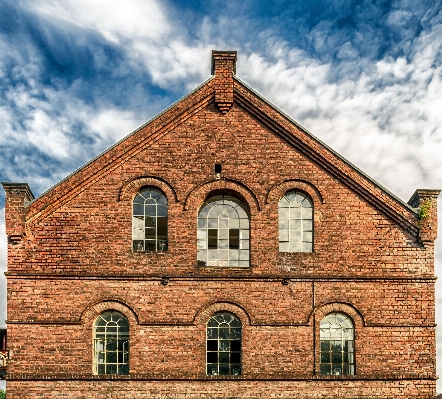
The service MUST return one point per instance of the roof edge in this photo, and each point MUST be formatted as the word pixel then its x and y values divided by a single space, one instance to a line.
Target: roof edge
pixel 120 141
pixel 312 136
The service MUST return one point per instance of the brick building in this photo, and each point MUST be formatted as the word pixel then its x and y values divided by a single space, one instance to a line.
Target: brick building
pixel 220 251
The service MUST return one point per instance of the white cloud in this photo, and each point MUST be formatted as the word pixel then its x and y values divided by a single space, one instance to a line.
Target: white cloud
pixel 117 20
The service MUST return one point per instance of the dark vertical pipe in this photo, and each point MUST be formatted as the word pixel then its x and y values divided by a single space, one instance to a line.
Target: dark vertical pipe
pixel 314 327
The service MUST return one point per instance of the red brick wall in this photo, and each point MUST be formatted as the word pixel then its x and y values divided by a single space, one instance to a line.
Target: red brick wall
pixel 76 260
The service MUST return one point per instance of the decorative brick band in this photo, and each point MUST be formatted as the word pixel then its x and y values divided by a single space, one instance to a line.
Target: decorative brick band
pixel 197 196
pixel 129 189
pixel 279 189
pixel 207 311
pixel 93 311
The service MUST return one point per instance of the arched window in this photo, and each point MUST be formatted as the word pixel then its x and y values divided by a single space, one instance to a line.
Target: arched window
pixel 295 223
pixel 149 221
pixel 223 232
pixel 224 345
pixel 337 345
pixel 111 344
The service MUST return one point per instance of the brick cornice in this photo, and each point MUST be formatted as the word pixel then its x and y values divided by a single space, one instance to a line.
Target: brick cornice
pixel 231 378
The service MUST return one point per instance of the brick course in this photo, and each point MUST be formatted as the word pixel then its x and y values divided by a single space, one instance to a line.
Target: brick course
pixel 70 257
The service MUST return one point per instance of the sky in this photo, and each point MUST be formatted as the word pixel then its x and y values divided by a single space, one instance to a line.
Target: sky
pixel 364 76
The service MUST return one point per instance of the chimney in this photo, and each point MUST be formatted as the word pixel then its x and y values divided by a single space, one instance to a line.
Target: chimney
pixel 18 195
pixel 223 67
pixel 426 203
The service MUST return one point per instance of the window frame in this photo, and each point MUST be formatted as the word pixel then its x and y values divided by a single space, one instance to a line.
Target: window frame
pixel 122 346
pixel 223 232
pixel 348 346
pixel 213 338
pixel 295 223
pixel 158 241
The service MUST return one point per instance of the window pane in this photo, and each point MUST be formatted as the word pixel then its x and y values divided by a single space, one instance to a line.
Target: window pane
pixel 162 228
pixel 138 245
pixel 149 221
pixel 233 238
pixel 150 233
pixel 212 238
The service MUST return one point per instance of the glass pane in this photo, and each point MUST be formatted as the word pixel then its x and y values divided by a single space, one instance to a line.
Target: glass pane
pixel 212 223
pixel 325 369
pixel 233 238
pixel 336 357
pixel 162 210
pixel 123 369
pixel 235 357
pixel 223 244
pixel 223 223
pixel 235 333
pixel 149 221
pixel 137 222
pixel 224 345
pixel 111 369
pixel 138 209
pixel 150 245
pixel 224 357
pixel 284 247
pixel 212 333
pixel 223 234
pixel 224 333
pixel 150 233
pixel 150 210
pixel 212 345
pixel 283 236
pixel 111 345
pixel 138 245
pixel 223 370
pixel 307 225
pixel 213 238
pixel 307 213
pixel 111 357
pixel 162 228
pixel 325 346
pixel 212 357
pixel 235 346
pixel 137 234
pixel 325 357
pixel 202 223
pixel 234 223
pixel 283 203
pixel 295 213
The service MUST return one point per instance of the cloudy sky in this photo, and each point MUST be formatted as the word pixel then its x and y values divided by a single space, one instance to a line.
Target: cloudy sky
pixel 364 76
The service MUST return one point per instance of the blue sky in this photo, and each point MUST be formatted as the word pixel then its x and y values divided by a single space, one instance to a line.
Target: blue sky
pixel 365 76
